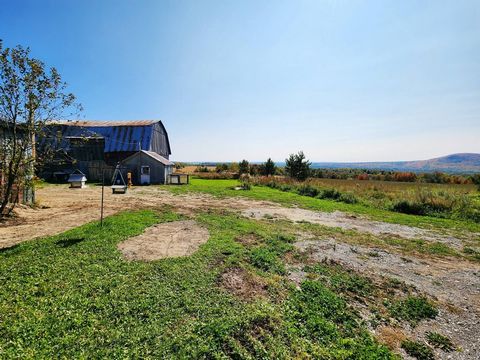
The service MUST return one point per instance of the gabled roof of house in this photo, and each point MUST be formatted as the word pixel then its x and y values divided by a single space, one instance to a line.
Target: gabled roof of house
pixel 153 155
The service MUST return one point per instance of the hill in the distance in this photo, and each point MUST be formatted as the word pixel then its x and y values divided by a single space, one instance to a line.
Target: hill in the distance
pixel 454 163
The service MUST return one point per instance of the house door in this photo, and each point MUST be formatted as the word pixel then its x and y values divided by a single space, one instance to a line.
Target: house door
pixel 145 175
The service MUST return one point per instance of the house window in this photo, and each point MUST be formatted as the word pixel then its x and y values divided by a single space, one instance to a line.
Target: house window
pixel 145 170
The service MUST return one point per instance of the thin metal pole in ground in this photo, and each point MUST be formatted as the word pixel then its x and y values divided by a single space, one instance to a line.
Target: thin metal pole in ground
pixel 103 186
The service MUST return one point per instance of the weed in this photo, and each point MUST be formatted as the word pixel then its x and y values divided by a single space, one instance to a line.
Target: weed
pixel 417 350
pixel 341 280
pixel 267 260
pixel 473 253
pixel 440 341
pixel 413 309
pixel 268 257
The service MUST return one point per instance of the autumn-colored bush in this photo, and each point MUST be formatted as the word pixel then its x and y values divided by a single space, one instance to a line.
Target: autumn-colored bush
pixel 363 176
pixel 405 176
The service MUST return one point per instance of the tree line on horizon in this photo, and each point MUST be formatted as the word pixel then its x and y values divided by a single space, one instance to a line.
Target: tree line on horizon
pixel 298 167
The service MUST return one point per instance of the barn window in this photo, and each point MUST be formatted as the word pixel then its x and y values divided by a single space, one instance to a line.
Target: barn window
pixel 145 170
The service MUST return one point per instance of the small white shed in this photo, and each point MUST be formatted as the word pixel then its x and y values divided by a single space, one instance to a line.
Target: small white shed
pixel 77 180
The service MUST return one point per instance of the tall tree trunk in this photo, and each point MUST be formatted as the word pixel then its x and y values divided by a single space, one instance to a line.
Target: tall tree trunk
pixel 30 170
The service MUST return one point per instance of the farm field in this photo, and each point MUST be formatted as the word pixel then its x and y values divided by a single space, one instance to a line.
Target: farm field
pixel 279 275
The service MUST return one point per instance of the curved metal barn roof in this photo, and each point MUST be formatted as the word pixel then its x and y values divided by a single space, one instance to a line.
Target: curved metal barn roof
pixel 119 135
pixel 99 123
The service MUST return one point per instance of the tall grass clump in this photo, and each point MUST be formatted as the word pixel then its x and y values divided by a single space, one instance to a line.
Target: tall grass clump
pixel 438 204
pixel 441 201
pixel 306 189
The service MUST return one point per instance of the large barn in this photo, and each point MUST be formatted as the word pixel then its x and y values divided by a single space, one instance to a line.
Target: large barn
pixel 96 146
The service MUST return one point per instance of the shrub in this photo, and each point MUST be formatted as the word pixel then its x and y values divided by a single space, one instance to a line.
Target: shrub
pixel 285 187
pixel 439 204
pixel 332 194
pixel 245 182
pixel 405 177
pixel 201 169
pixel 417 350
pixel 307 190
pixel 413 309
pixel 233 167
pixel 362 176
pixel 440 341
pixel 408 207
pixel 348 198
pixel 221 168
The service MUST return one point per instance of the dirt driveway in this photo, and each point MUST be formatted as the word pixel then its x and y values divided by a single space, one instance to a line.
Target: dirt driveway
pixel 62 208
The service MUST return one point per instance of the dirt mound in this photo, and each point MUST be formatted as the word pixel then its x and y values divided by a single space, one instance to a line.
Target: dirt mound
pixel 173 239
pixel 243 284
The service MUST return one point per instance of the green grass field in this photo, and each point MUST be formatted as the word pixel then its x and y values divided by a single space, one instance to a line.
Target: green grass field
pixel 224 188
pixel 74 296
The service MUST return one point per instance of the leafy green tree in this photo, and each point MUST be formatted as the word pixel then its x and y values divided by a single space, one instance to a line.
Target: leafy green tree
pixel 221 168
pixel 255 169
pixel 233 167
pixel 297 166
pixel 269 167
pixel 30 96
pixel 244 167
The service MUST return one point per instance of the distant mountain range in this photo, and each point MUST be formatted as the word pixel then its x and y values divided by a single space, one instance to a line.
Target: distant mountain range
pixel 454 163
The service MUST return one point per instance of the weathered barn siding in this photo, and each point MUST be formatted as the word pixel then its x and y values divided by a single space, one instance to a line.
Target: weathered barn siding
pixel 159 168
pixel 97 145
pixel 160 143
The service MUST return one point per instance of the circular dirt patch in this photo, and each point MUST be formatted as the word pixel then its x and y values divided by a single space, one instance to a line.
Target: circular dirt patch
pixel 173 239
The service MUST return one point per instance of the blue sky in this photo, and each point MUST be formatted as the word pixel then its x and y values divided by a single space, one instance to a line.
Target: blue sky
pixel 341 80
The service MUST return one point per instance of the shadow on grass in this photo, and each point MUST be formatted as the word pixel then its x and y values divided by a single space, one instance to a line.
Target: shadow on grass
pixel 8 249
pixel 68 242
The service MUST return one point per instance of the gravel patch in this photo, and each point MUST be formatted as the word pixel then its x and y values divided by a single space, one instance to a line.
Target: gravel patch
pixel 350 222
